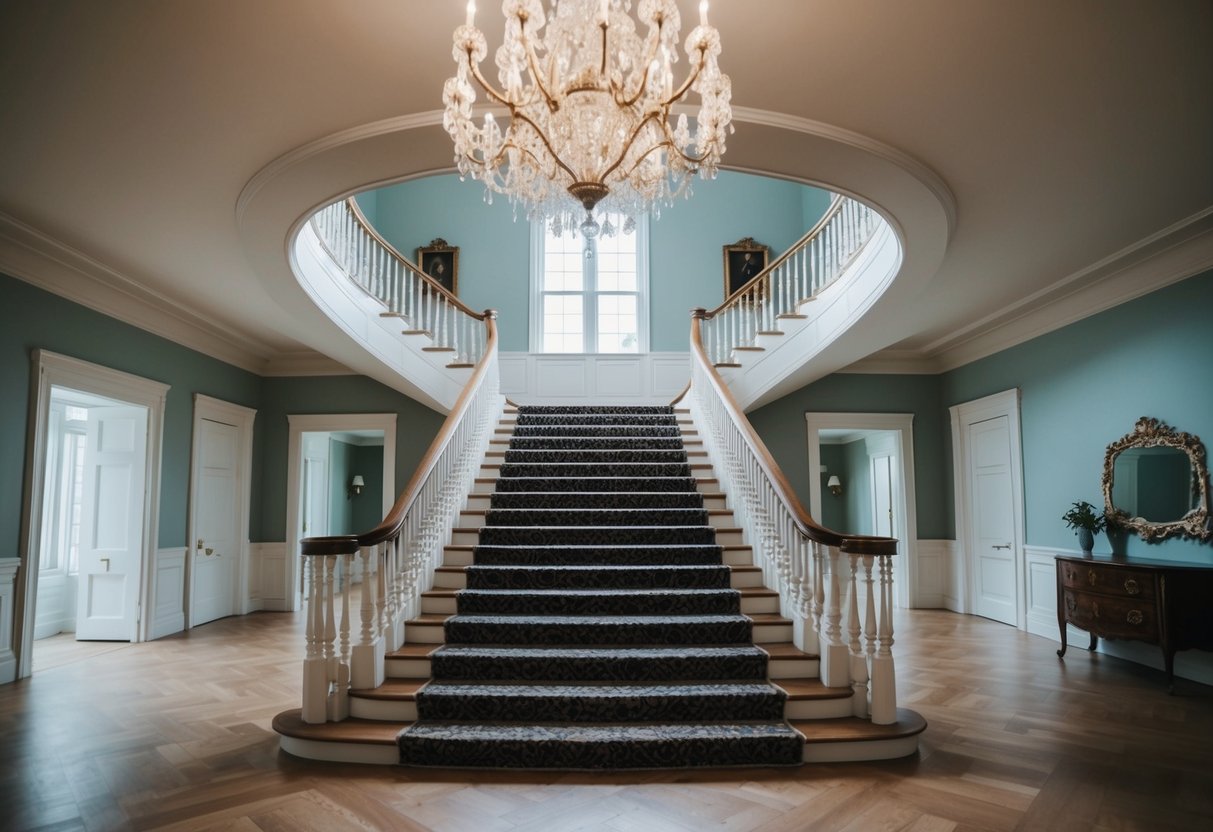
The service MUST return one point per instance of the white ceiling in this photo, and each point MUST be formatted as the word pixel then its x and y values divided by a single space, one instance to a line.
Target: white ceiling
pixel 154 157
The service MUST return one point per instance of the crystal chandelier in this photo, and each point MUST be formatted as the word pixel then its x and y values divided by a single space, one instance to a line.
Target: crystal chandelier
pixel 589 103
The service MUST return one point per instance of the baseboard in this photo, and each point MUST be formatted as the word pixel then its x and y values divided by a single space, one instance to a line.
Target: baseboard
pixel 1042 621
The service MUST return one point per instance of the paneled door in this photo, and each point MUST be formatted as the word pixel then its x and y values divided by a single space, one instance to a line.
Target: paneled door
pixel 215 551
pixel 992 514
pixel 111 527
pixel 883 474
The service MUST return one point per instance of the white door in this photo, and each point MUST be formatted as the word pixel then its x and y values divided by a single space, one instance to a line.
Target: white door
pixel 992 512
pixel 216 552
pixel 315 514
pixel 111 528
pixel 882 496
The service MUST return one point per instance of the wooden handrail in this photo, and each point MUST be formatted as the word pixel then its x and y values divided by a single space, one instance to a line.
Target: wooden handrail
pixel 834 208
pixel 805 524
pixel 392 523
pixel 361 219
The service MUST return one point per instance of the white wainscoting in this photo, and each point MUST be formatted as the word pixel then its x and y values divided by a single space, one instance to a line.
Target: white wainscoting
pixel 935 567
pixel 8 658
pixel 267 577
pixel 644 378
pixel 168 616
pixel 1042 621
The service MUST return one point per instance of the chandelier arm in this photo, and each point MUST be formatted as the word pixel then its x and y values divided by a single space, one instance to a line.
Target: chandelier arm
pixel 644 79
pixel 628 146
pixel 488 88
pixel 532 64
pixel 501 155
pixel 525 119
pixel 686 85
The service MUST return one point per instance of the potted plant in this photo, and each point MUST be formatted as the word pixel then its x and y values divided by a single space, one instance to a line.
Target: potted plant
pixel 1083 518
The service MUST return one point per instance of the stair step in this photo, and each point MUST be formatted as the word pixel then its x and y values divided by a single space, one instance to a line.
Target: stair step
pixel 599 664
pixel 588 409
pixel 597 602
pixel 602 629
pixel 851 738
pixel 588 535
pixel 598 500
pixel 681 554
pixel 528 419
pixel 589 430
pixel 581 746
pixel 602 483
pixel 634 702
pixel 623 516
pixel 647 470
pixel 787 661
pixel 593 456
pixel 394 700
pixel 595 443
pixel 595 576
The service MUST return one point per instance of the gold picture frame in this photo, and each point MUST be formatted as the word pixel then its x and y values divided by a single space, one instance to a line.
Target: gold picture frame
pixel 743 261
pixel 440 262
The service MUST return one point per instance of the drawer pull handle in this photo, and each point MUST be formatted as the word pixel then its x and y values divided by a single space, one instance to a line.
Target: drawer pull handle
pixel 1131 587
pixel 1092 577
pixel 1134 617
pixel 1095 607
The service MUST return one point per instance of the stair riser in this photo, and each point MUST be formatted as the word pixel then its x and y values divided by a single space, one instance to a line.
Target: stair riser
pixel 585 456
pixel 772 633
pixel 526 420
pixel 596 431
pixel 818 708
pixel 591 409
pixel 589 669
pixel 574 443
pixel 547 500
pixel 747 606
pixel 622 516
pixel 524 579
pixel 795 668
pixel 623 631
pixel 589 536
pixel 647 470
pixel 386 710
pixel 686 752
pixel 703 577
pixel 603 482
pixel 704 555
pixel 649 708
pixel 707 602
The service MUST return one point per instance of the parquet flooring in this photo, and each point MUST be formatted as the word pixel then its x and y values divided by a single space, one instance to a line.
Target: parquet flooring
pixel 175 734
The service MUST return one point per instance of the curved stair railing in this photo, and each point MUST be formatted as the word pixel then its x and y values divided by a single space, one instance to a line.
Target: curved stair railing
pixel 424 306
pixel 397 557
pixel 815 261
pixel 838 588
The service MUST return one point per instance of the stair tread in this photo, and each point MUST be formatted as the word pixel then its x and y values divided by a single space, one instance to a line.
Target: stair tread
pixel 630 651
pixel 854 729
pixel 786 650
pixel 614 690
pixel 366 731
pixel 583 733
pixel 811 689
pixel 392 689
pixel 413 651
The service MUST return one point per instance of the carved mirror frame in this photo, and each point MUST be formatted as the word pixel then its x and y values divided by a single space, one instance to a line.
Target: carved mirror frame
pixel 1150 433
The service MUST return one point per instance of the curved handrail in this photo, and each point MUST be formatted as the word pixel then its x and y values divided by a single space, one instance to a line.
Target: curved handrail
pixel 834 207
pixel 394 252
pixel 805 525
pixel 797 276
pixel 394 521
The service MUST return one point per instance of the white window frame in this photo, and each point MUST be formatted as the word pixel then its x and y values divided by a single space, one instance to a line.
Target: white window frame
pixel 590 295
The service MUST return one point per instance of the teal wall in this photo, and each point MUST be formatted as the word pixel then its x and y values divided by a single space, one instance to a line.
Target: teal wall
pixel 1085 385
pixel 782 427
pixel 416 426
pixel 833 509
pixel 856 488
pixel 368 506
pixel 1082 387
pixel 685 257
pixel 340 473
pixel 31 319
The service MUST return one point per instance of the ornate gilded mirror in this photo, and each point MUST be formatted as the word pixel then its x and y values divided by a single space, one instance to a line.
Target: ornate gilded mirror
pixel 1155 482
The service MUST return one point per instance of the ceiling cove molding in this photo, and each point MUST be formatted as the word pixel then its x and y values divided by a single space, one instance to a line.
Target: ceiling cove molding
pixel 931 180
pixel 1177 252
pixel 40 260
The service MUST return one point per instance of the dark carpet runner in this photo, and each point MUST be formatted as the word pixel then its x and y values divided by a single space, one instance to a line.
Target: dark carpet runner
pixel 598 629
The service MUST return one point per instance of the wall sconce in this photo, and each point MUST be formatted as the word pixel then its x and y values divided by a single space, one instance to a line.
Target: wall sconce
pixel 835 485
pixel 356 486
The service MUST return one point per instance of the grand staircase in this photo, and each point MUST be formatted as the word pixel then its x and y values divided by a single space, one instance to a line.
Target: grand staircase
pixel 597 609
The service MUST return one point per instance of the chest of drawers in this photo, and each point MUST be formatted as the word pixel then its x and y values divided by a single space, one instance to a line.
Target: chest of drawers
pixel 1159 602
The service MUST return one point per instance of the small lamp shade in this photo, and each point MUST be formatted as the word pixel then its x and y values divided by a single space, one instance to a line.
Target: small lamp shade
pixel 835 485
pixel 356 485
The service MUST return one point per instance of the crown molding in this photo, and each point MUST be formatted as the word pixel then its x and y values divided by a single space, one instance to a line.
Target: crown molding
pixel 37 258
pixel 1175 253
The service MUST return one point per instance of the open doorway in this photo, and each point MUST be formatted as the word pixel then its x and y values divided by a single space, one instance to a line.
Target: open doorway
pixel 341 480
pixel 862 482
pixel 89 522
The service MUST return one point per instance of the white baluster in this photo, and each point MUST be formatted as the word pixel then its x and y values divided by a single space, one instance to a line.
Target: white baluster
pixel 315 674
pixel 884 682
pixel 859 662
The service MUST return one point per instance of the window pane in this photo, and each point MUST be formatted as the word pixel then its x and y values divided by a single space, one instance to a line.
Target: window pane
pixel 617 330
pixel 563 325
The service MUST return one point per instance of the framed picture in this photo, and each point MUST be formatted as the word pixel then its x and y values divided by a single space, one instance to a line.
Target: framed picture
pixel 743 260
pixel 440 261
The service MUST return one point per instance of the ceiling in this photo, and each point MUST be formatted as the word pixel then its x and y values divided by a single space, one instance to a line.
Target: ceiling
pixel 1042 160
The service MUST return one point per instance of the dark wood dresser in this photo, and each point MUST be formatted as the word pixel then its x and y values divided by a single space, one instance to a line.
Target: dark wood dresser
pixel 1161 602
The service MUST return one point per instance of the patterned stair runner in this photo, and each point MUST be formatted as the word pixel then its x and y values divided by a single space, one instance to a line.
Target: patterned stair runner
pixel 598 629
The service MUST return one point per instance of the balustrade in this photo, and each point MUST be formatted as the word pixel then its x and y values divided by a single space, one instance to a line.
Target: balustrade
pixel 424 306
pixel 815 261
pixel 825 580
pixel 396 558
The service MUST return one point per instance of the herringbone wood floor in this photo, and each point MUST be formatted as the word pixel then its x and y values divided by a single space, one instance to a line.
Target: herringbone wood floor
pixel 175 734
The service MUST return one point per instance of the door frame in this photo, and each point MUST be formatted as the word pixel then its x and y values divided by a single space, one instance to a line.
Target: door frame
pixel 50 369
pixel 901 425
pixel 1006 403
pixel 241 418
pixel 299 424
